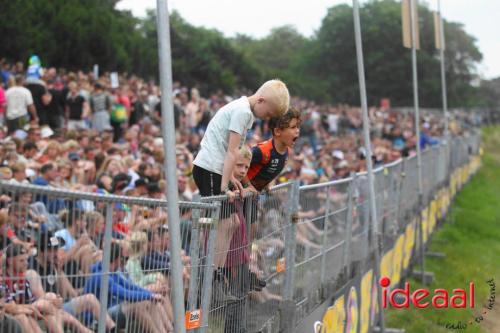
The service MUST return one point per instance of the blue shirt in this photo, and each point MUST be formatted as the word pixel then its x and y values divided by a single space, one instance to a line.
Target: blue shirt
pixel 156 261
pixel 426 140
pixel 119 288
pixel 54 205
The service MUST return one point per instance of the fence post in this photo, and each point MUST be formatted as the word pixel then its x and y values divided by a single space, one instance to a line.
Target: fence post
pixel 325 237
pixel 194 253
pixel 290 241
pixel 101 328
pixel 250 215
pixel 287 306
pixel 346 261
pixel 211 224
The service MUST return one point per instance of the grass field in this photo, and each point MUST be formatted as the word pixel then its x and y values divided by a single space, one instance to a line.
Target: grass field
pixel 470 239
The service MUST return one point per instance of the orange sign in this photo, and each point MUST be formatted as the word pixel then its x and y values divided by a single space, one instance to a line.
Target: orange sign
pixel 280 265
pixel 193 319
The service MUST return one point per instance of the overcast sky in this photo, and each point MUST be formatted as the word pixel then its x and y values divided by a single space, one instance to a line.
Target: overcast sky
pixel 256 18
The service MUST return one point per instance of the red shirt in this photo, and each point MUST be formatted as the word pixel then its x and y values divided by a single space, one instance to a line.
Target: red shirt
pixel 238 249
pixel 267 163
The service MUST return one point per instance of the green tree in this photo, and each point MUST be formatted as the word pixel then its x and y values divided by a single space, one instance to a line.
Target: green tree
pixel 71 34
pixel 332 60
pixel 278 55
pixel 77 34
pixel 200 57
pixel 489 91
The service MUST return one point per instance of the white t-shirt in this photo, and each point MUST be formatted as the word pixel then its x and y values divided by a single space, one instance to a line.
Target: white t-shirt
pixel 18 100
pixel 333 122
pixel 236 117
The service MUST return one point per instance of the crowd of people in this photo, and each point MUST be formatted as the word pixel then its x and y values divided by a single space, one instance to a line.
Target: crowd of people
pixel 74 131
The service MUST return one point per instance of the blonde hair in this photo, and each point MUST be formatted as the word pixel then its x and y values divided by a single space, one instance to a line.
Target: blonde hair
pixel 245 152
pixel 91 218
pixel 136 242
pixel 70 144
pixel 72 84
pixel 5 173
pixel 53 144
pixel 276 91
pixel 19 166
pixel 107 162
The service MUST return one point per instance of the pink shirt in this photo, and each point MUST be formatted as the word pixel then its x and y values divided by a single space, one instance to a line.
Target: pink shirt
pixel 3 101
pixel 124 100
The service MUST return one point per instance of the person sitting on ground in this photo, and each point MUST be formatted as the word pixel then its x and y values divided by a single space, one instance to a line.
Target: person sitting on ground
pixel 78 252
pixel 48 174
pixel 17 318
pixel 15 228
pixel 153 281
pixel 20 292
pixel 125 298
pixel 46 275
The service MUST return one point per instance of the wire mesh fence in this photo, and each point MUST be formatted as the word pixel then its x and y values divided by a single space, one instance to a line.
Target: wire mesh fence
pixel 80 262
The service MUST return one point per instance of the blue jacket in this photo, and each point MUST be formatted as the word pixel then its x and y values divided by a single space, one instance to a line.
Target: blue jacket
pixel 54 205
pixel 119 288
pixel 156 261
pixel 426 140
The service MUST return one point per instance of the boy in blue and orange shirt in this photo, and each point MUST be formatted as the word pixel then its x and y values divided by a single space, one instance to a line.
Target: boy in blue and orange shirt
pixel 270 157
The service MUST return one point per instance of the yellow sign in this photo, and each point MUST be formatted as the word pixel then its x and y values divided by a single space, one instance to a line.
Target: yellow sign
pixel 334 318
pixel 366 297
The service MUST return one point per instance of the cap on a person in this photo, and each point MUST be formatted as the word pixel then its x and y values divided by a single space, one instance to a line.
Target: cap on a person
pixel 338 154
pixel 120 181
pixel 73 156
pixel 46 132
pixel 49 241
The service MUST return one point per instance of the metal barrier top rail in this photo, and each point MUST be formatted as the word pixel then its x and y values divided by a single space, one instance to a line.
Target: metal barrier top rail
pixel 105 198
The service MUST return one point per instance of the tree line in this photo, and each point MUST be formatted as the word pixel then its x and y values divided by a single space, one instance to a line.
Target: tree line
pixel 75 34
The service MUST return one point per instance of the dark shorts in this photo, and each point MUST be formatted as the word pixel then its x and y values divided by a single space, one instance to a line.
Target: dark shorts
pixel 17 123
pixel 208 182
pixel 209 185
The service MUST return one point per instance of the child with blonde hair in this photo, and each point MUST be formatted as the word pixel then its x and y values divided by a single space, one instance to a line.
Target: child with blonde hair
pixel 137 246
pixel 226 133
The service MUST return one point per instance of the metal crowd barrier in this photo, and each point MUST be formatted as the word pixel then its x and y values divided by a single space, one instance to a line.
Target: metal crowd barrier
pixel 85 262
pixel 266 263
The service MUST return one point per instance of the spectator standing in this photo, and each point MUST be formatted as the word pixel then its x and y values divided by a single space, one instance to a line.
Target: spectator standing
pixel 19 103
pixel 100 104
pixel 77 109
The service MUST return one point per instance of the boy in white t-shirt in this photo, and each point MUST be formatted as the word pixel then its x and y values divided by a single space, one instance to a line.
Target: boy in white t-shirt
pixel 19 103
pixel 226 133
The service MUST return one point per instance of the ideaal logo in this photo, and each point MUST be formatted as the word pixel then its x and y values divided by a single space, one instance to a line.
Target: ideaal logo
pixel 440 297
pixel 460 298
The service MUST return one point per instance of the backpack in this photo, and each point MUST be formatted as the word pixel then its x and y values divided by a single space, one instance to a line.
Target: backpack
pixel 118 113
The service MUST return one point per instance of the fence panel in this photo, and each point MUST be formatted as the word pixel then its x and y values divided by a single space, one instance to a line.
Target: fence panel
pixel 96 262
pixel 259 263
